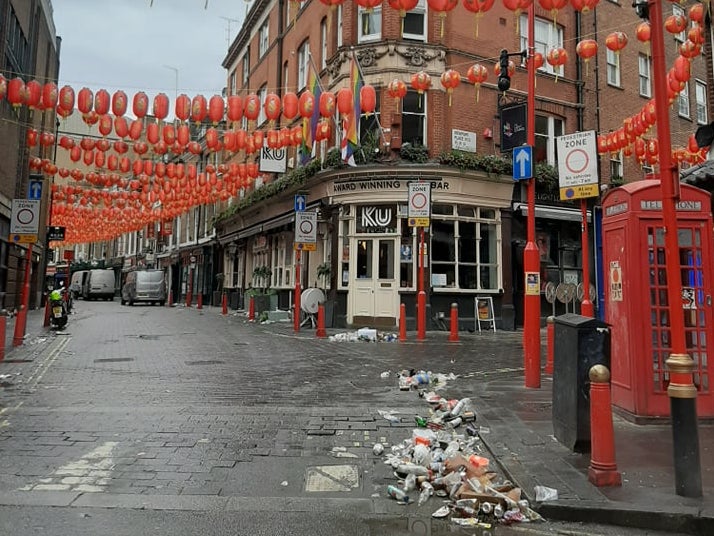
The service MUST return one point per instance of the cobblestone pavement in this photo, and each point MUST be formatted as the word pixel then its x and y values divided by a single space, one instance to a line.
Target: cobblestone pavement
pixel 175 407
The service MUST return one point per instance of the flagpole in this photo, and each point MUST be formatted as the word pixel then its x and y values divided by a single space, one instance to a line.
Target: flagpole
pixel 376 116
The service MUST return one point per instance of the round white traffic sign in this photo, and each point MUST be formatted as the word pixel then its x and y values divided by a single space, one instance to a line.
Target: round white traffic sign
pixel 577 161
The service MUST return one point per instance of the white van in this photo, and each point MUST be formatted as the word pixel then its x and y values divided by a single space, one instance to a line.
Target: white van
pixel 77 284
pixel 100 285
pixel 144 286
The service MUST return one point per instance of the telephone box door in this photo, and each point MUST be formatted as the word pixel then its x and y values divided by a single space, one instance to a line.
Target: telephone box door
pixel 695 245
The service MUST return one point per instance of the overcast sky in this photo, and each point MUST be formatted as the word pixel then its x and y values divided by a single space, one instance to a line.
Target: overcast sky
pixel 128 44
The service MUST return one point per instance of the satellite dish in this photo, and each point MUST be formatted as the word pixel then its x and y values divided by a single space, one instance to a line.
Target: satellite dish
pixel 310 299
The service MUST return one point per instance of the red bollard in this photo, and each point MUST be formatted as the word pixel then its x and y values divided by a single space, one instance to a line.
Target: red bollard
pixel 402 323
pixel 20 323
pixel 199 300
pixel 251 309
pixel 603 469
pixel 47 312
pixel 171 298
pixel 550 344
pixel 320 333
pixel 3 326
pixel 454 335
pixel 224 305
pixel 421 316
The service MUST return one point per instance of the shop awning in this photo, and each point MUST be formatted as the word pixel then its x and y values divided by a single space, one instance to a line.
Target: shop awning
pixel 552 213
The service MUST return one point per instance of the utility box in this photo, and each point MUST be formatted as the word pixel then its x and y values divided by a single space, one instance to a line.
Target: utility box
pixel 580 343
pixel 636 299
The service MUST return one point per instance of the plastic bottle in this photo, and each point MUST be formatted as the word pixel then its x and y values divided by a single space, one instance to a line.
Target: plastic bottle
pixel 412 469
pixel 427 490
pixel 410 482
pixel 421 379
pixel 455 423
pixel 451 449
pixel 396 493
pixel 420 421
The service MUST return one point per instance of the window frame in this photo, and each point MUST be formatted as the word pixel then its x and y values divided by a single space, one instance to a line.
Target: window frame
pixel 323 43
pixel 550 135
pixel 262 94
pixel 264 38
pixel 424 114
pixel 372 36
pixel 479 220
pixel 339 26
pixel 684 103
pixel 540 45
pixel 303 64
pixel 616 165
pixel 420 9
pixel 613 66
pixel 701 104
pixel 681 37
pixel 246 66
pixel 645 64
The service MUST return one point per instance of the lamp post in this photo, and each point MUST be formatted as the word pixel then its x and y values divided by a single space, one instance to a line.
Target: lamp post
pixel 681 391
pixel 176 80
pixel 531 255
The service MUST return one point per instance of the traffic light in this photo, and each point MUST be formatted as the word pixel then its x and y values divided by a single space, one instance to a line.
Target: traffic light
pixel 504 79
pixel 642 9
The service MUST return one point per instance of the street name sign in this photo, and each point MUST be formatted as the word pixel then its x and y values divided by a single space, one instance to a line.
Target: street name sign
pixel 577 165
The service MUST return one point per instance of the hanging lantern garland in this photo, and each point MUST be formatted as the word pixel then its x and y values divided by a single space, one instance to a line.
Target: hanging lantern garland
pixel 442 7
pixel 477 75
pixel 586 49
pixel 478 7
pixel 450 80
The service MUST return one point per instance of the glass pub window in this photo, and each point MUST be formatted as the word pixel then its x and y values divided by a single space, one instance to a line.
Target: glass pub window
pixel 413 118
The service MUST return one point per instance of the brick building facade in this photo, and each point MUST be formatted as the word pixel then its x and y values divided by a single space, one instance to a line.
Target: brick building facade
pixel 270 55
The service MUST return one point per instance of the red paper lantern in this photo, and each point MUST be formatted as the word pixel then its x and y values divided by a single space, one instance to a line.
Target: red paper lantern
pixel 553 6
pixel 306 104
pixel 442 7
pixel 616 41
pixel 584 5
pixel 140 148
pixel 450 79
pixel 102 101
pixel 421 81
pixel 241 139
pixel 66 142
pixel 234 110
pixel 66 100
pixel 121 147
pixel 557 57
pixel 16 92
pixel 367 99
pixel 182 107
pixel 696 35
pixel 168 133
pixel 345 101
pixel 105 125
pixel 327 104
pixel 135 129
pixel 478 7
pixel 290 105
pixel 47 139
pixel 369 5
pixel 403 6
pixel 85 100
pixel 199 108
pixel 697 13
pixel 91 118
pixel 477 75
pixel 251 108
pixel 31 137
pixel 119 103
pixel 140 105
pixel 258 138
pixel 324 131
pixel 271 106
pixel 100 159
pixel 183 135
pixel 121 127
pixel 33 94
pixel 675 24
pixel 586 49
pixel 49 96
pixel 3 87
pixel 161 106
pixel 216 109
pixel 644 32
pixel 152 133
pixel 690 50
pixel 75 153
pixel 682 69
pixel 212 140
pixel 538 60
pixel 273 139
pixel 397 89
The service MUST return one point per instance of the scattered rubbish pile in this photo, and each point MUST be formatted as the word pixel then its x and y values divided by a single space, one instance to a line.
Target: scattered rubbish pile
pixel 445 459
pixel 364 335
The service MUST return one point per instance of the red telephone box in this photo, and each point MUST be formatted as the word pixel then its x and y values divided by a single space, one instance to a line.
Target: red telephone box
pixel 636 294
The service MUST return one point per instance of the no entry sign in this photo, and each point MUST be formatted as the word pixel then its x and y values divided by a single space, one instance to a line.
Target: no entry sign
pixel 419 210
pixel 577 165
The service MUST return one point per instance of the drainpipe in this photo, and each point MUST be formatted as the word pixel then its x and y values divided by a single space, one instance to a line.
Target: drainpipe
pixel 579 72
pixel 281 31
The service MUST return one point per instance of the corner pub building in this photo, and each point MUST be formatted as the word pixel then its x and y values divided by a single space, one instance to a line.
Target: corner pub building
pixel 474 244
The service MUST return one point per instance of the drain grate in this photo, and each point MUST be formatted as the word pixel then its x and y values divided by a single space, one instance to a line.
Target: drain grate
pixel 114 360
pixel 18 360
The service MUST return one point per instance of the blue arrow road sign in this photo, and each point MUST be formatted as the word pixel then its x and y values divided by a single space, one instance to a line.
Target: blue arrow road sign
pixel 300 202
pixel 522 162
pixel 34 190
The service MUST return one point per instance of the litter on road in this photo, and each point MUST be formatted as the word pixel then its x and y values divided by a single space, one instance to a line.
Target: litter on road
pixel 438 461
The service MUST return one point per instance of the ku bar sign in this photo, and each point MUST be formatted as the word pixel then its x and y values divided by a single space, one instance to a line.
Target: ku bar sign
pixel 577 165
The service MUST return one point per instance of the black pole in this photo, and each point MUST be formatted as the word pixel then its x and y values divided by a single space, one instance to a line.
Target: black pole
pixel 685 442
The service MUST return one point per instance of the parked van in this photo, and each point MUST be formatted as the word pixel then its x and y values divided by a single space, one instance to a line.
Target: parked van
pixel 144 286
pixel 79 278
pixel 99 285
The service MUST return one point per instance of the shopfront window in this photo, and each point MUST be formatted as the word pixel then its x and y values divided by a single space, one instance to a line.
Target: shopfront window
pixel 406 256
pixel 364 259
pixel 465 248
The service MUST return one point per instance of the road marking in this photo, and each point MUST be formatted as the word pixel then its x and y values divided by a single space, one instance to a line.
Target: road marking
pixel 39 373
pixel 89 474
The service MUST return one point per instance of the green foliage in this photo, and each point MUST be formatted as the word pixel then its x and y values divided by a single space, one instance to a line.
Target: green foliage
pixel 488 163
pixel 323 271
pixel 414 153
pixel 262 274
pixel 616 180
